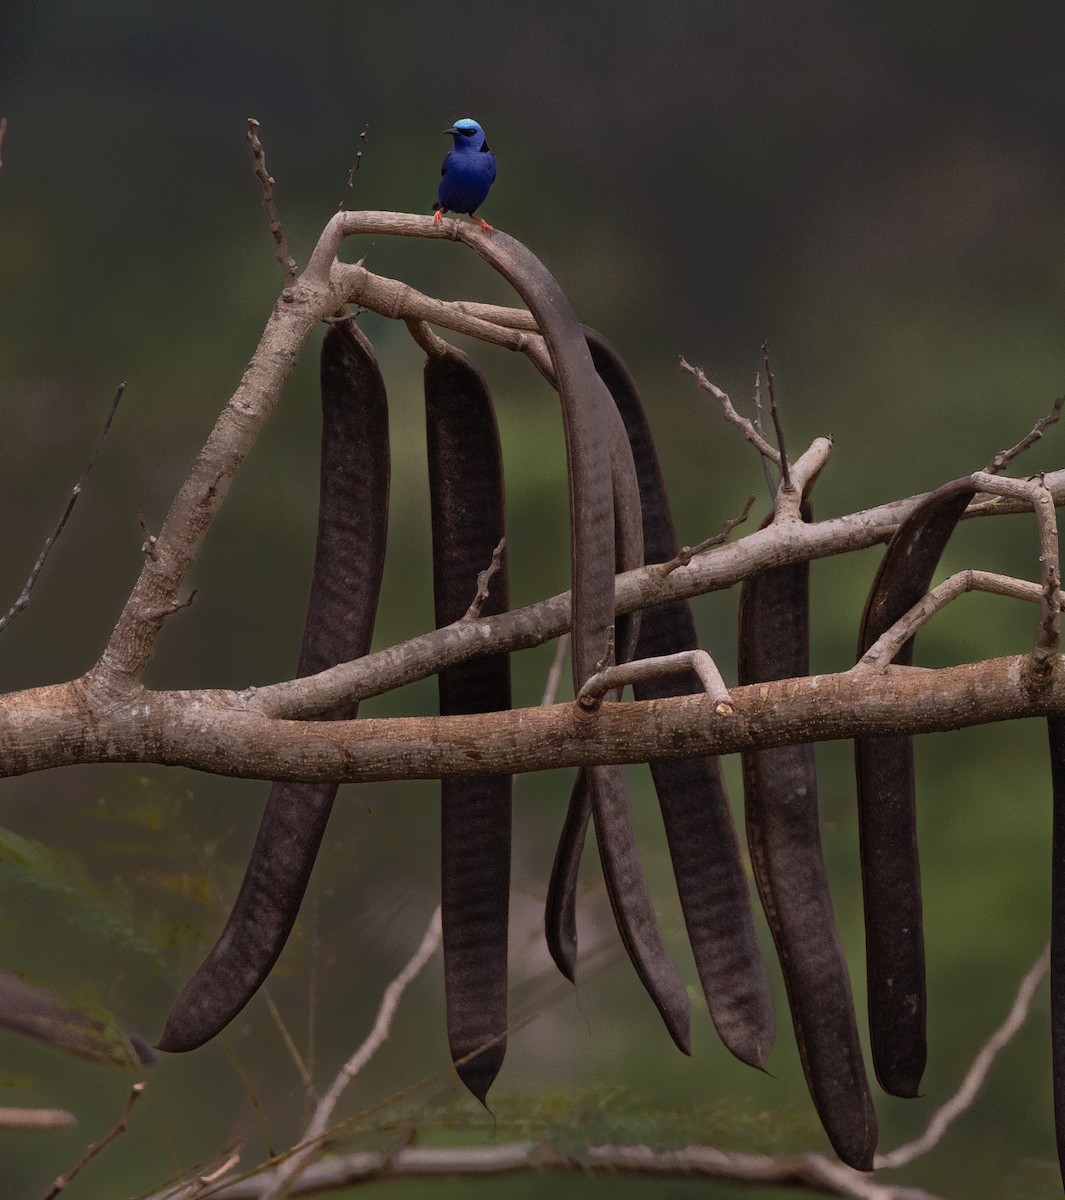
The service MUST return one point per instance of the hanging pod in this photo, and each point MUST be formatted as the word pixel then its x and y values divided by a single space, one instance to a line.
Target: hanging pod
pixel 348 564
pixel 703 846
pixel 602 792
pixel 783 834
pixel 887 815
pixel 466 494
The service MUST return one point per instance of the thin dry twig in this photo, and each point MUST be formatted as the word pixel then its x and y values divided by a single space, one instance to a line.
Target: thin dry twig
pixel 770 482
pixel 364 138
pixel 880 654
pixel 36 1119
pixel 554 674
pixel 1004 457
pixel 749 432
pixel 623 674
pixel 785 472
pixel 284 257
pixel 120 1127
pixel 53 537
pixel 3 131
pixel 378 1035
pixel 1043 659
pixel 484 578
pixel 963 1098
pixel 686 553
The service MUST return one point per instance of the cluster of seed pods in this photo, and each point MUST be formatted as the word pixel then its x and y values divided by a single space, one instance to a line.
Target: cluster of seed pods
pixel 620 519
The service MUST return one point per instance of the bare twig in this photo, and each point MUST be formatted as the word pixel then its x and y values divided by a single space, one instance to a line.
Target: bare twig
pixel 378 1035
pixel 623 674
pixel 120 1127
pixel 1004 457
pixel 284 257
pixel 1044 656
pixel 879 655
pixel 963 1098
pixel 686 553
pixel 770 482
pixel 363 140
pixel 554 674
pixel 3 131
pixel 785 473
pixel 484 578
pixel 749 432
pixel 303 1070
pixel 36 1119
pixel 24 596
pixel 168 610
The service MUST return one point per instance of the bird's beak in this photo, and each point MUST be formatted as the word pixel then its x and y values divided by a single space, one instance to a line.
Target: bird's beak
pixel 452 130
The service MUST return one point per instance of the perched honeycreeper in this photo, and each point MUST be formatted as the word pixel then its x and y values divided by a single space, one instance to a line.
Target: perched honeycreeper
pixel 467 173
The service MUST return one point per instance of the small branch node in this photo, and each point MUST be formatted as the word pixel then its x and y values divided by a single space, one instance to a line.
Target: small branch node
pixel 168 610
pixel 483 580
pixel 148 548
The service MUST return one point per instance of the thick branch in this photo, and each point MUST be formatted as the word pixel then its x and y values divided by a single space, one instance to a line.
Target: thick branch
pixel 217 732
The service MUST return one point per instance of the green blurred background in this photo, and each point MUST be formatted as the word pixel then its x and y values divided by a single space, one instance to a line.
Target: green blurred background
pixel 878 190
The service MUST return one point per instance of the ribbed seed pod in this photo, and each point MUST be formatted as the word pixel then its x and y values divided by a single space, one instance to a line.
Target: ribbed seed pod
pixel 711 883
pixel 887 814
pixel 466 493
pixel 783 833
pixel 348 565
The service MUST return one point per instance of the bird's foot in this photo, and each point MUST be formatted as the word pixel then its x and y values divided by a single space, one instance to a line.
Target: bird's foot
pixel 483 224
pixel 438 216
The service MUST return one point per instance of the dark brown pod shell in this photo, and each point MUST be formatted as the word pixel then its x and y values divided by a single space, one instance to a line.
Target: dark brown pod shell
pixel 466 493
pixel 348 565
pixel 887 812
pixel 783 833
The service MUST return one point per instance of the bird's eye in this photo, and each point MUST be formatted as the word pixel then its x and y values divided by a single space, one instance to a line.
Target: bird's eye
pixel 467 132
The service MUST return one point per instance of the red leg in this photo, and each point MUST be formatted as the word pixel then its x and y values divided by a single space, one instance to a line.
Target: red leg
pixel 483 224
pixel 438 216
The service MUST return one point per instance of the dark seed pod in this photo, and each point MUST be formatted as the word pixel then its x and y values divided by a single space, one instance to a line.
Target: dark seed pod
pixel 560 916
pixel 466 493
pixel 601 792
pixel 349 560
pixel 891 872
pixel 711 883
pixel 780 791
pixel 1056 731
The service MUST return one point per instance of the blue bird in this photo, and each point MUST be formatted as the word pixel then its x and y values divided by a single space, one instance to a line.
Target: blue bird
pixel 467 173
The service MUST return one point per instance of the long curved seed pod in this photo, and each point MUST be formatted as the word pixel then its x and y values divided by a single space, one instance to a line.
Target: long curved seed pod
pixel 780 791
pixel 348 565
pixel 711 883
pixel 601 792
pixel 1056 731
pixel 586 418
pixel 560 913
pixel 887 820
pixel 466 492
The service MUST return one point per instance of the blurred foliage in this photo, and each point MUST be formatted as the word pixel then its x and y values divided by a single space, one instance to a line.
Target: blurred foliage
pixel 878 190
